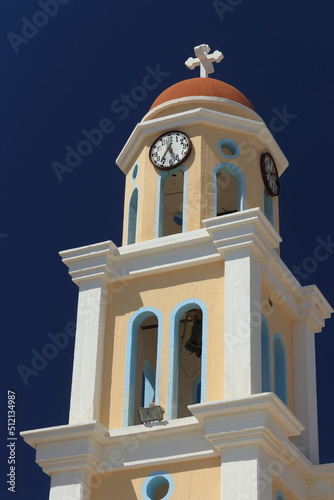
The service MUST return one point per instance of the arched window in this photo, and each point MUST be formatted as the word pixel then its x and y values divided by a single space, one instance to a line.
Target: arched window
pixel 171 202
pixel 132 218
pixel 142 371
pixel 265 354
pixel 280 368
pixel 268 206
pixel 187 362
pixel 229 189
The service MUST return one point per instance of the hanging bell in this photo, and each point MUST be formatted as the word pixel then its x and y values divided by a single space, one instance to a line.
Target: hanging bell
pixel 194 344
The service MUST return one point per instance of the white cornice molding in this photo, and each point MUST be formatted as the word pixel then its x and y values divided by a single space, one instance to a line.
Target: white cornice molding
pixel 247 228
pixel 254 404
pixel 221 236
pixel 194 117
pixel 66 432
pixel 68 447
pixel 236 106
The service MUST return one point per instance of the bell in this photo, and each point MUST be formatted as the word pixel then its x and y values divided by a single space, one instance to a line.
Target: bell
pixel 194 344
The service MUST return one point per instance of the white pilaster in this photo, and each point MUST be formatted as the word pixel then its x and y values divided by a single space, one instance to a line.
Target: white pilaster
pixel 245 474
pixel 88 354
pixel 70 485
pixel 242 336
pixel 305 389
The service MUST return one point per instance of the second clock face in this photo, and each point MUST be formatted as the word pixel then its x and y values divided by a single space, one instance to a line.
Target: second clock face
pixel 270 174
pixel 170 150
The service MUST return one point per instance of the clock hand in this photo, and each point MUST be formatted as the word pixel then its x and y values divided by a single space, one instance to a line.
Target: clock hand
pixel 169 147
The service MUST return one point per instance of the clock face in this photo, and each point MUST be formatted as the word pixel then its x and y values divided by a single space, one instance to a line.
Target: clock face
pixel 269 174
pixel 170 150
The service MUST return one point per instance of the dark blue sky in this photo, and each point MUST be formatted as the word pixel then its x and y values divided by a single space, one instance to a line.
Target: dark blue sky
pixel 61 78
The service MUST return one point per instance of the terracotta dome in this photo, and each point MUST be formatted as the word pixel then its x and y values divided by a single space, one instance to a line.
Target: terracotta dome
pixel 202 87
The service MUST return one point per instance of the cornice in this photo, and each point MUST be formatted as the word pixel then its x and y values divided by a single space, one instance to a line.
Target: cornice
pixel 68 447
pixel 221 238
pixel 236 106
pixel 264 402
pixel 198 116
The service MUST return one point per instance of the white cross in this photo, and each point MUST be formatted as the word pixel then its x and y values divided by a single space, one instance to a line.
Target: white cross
pixel 204 59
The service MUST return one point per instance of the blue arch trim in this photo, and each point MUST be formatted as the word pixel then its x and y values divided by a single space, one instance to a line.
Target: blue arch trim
pixel 235 171
pixel 231 145
pixel 279 495
pixel 280 367
pixel 131 359
pixel 268 206
pixel 265 354
pixel 173 362
pixel 133 216
pixel 153 481
pixel 159 208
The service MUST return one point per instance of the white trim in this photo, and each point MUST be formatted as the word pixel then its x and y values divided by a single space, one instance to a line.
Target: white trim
pixel 242 324
pixel 198 99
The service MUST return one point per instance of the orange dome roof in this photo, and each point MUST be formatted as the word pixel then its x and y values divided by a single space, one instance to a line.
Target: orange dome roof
pixel 202 87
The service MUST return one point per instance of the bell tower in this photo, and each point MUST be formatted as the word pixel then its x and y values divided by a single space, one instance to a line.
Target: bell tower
pixel 194 367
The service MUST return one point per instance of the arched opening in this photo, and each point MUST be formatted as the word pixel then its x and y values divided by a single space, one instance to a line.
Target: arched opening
pixel 265 354
pixel 280 368
pixel 227 194
pixel 132 218
pixel 187 363
pixel 268 206
pixel 142 364
pixel 171 210
pixel 229 189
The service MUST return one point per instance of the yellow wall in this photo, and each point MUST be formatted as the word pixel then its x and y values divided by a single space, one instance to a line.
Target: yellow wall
pixel 279 322
pixel 205 283
pixel 200 165
pixel 198 480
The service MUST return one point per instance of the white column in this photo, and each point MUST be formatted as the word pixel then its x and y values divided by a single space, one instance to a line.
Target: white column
pixel 245 474
pixel 71 485
pixel 88 352
pixel 242 332
pixel 306 390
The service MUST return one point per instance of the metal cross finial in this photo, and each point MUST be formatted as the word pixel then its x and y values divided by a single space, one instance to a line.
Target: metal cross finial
pixel 204 60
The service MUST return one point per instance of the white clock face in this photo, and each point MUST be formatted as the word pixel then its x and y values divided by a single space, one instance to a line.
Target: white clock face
pixel 170 150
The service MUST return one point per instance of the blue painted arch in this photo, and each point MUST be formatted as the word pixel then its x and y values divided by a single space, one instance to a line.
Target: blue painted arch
pixel 131 360
pixel 265 354
pixel 280 368
pixel 176 315
pixel 133 216
pixel 238 175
